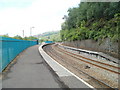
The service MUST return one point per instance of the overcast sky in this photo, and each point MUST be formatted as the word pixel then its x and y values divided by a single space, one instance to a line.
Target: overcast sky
pixel 44 15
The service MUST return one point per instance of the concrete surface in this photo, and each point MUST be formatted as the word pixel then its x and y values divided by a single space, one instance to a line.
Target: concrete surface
pixel 31 71
pixel 0 83
pixel 70 79
pixel 93 53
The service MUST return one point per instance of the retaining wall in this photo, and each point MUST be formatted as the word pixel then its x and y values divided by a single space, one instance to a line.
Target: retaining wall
pixel 105 46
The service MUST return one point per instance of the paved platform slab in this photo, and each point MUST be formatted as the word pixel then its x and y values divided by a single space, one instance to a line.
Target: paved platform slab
pixel 0 83
pixel 31 71
pixel 70 79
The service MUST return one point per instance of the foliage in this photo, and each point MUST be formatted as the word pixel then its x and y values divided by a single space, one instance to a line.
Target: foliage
pixel 17 37
pixel 21 38
pixel 30 38
pixel 50 36
pixel 92 20
pixel 6 35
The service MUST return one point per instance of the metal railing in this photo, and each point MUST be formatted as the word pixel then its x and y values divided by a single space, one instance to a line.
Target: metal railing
pixel 10 48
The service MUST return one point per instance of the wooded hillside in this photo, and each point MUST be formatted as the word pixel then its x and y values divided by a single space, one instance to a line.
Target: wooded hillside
pixel 92 20
pixel 49 36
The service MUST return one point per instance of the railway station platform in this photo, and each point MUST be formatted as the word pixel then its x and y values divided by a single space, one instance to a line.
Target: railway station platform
pixel 31 70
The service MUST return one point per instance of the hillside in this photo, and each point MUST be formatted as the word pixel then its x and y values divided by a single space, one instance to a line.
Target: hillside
pixel 92 21
pixel 93 25
pixel 49 36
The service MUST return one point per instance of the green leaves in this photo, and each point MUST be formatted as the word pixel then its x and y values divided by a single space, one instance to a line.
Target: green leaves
pixel 92 20
pixel 50 36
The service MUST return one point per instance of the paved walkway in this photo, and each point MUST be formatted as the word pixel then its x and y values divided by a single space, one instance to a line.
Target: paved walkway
pixel 31 71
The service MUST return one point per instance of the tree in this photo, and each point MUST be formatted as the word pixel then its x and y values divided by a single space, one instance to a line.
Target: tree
pixel 6 35
pixel 18 37
pixel 91 20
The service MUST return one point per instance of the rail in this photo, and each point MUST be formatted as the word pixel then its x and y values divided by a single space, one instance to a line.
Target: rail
pixel 52 51
pixel 99 55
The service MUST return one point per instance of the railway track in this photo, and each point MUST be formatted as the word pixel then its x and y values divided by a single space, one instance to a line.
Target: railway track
pixel 55 52
pixel 97 63
pixel 92 59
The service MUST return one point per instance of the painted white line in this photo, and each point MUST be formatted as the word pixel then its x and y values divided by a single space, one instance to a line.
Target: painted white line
pixel 57 68
pixel 41 50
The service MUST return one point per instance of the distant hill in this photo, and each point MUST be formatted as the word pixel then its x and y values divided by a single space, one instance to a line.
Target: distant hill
pixel 49 36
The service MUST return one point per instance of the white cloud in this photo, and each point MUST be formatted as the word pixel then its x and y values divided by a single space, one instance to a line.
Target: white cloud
pixel 44 15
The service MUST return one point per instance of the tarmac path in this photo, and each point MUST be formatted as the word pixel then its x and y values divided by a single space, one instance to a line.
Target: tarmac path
pixel 31 71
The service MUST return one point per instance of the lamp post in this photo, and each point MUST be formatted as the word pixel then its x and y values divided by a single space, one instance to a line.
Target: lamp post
pixel 31 30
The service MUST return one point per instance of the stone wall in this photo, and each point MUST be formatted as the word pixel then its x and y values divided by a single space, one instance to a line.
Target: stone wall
pixel 105 46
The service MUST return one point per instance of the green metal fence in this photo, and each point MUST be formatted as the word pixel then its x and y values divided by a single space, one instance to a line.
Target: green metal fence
pixel 10 48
